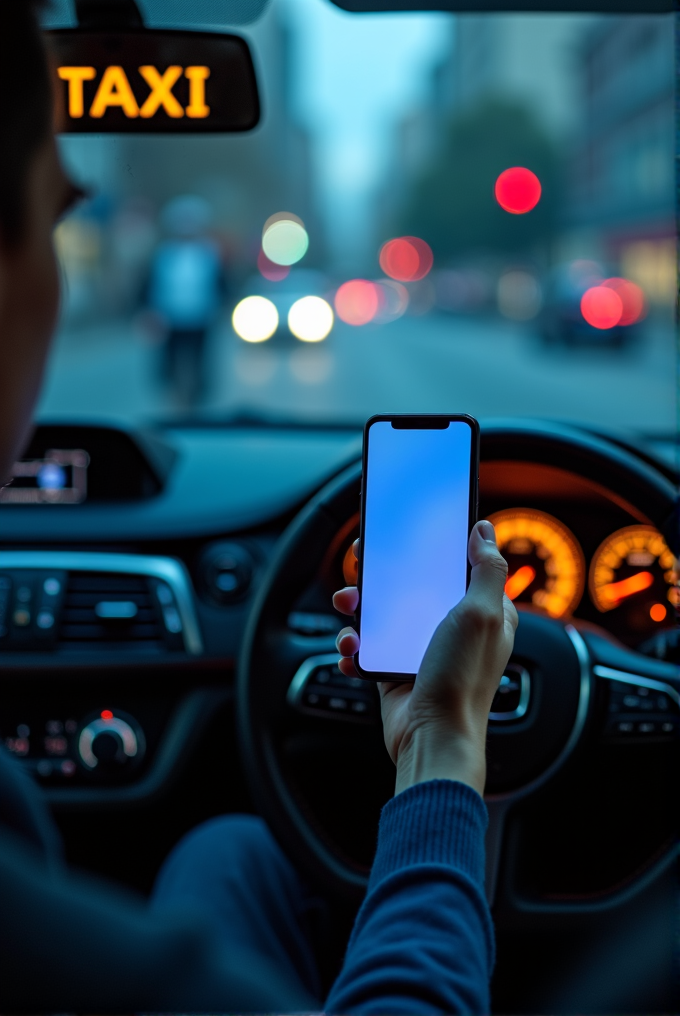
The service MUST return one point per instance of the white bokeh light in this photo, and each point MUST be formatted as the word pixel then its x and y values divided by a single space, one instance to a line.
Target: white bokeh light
pixel 310 319
pixel 285 242
pixel 255 319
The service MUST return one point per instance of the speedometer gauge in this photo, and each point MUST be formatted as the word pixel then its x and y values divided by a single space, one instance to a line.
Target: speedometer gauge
pixel 546 567
pixel 634 572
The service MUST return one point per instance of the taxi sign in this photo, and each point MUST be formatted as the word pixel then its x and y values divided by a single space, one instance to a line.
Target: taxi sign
pixel 146 81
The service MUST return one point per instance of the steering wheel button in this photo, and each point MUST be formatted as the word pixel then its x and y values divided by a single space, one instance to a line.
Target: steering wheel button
pixel 52 587
pixel 322 676
pixel 625 727
pixel 338 703
pixel 646 728
pixel 631 701
pixel 359 707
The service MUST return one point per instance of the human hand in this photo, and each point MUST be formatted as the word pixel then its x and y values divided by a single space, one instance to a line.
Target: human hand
pixel 436 727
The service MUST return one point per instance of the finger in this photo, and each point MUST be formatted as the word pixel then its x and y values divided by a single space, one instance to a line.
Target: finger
pixel 346 666
pixel 346 600
pixel 347 642
pixel 355 548
pixel 489 568
pixel 396 687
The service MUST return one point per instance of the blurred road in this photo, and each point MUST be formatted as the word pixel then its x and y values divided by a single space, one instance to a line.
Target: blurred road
pixel 433 364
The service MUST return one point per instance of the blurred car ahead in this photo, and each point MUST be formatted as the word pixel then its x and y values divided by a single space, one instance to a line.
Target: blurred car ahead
pixel 585 304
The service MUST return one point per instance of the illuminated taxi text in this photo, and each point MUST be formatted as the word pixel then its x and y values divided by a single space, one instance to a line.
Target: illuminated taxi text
pixel 114 90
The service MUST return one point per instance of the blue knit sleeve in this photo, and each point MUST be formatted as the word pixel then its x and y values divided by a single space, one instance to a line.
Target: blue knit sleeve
pixel 423 939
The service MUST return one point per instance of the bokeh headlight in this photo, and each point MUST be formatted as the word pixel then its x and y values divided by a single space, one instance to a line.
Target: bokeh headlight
pixel 310 319
pixel 255 319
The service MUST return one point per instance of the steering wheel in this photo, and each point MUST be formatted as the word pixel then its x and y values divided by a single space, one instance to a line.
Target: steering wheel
pixel 551 679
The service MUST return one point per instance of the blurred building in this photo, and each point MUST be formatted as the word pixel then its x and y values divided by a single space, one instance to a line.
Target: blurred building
pixel 621 170
pixel 522 57
pixel 527 58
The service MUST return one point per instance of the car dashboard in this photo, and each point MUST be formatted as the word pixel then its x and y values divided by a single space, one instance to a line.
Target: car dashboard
pixel 123 609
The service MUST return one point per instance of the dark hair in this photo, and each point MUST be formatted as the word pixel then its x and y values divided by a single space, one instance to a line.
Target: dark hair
pixel 25 108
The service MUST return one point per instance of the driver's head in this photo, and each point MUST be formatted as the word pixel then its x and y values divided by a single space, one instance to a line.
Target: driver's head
pixel 34 192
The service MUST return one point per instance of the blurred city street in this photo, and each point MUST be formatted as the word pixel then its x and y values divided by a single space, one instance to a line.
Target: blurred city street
pixel 436 363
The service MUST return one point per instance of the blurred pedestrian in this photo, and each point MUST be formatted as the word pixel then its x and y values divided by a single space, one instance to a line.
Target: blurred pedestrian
pixel 187 287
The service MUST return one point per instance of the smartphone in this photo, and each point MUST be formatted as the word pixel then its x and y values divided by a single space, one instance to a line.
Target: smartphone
pixel 418 505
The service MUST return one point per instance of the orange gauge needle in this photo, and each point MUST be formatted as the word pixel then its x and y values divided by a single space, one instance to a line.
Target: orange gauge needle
pixel 519 581
pixel 614 592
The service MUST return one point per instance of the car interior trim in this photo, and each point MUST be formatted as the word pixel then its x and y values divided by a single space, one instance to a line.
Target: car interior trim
pixel 524 694
pixel 302 675
pixel 625 677
pixel 498 805
pixel 167 569
pixel 579 723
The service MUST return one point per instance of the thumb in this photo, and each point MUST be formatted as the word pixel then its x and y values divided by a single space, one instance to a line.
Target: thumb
pixel 489 567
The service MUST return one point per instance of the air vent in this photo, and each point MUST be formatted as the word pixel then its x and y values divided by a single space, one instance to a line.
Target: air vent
pixel 111 612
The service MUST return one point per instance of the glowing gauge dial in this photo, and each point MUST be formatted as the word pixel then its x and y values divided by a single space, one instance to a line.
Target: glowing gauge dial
pixel 546 567
pixel 633 570
pixel 350 566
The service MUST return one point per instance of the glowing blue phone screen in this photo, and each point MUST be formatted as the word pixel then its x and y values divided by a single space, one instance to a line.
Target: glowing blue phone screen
pixel 417 491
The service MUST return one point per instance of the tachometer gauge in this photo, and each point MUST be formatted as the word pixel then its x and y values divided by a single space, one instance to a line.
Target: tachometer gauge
pixel 546 567
pixel 634 572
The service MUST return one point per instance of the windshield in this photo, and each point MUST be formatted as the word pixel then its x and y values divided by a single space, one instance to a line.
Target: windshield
pixel 437 213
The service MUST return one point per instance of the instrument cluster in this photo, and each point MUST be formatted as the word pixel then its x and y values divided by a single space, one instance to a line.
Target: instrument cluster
pixel 626 582
pixel 631 578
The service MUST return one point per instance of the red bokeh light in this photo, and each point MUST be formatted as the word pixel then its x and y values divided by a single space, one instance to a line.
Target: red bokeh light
pixel 602 307
pixel 406 258
pixel 106 714
pixel 632 299
pixel 270 270
pixel 517 190
pixel 358 301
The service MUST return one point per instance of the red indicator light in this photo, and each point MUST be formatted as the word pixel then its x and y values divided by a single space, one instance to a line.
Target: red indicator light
pixel 632 299
pixel 517 190
pixel 270 270
pixel 106 714
pixel 406 259
pixel 357 302
pixel 601 307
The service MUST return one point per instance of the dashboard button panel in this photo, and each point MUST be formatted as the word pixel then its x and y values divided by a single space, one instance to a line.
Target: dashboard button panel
pixel 319 688
pixel 59 748
pixel 643 710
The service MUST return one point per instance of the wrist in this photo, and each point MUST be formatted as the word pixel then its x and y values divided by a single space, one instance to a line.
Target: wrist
pixel 432 754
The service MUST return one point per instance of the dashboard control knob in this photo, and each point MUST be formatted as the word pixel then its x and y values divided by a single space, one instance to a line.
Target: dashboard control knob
pixel 110 742
pixel 227 571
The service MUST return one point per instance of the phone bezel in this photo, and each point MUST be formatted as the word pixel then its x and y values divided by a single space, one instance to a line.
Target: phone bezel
pixel 418 421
